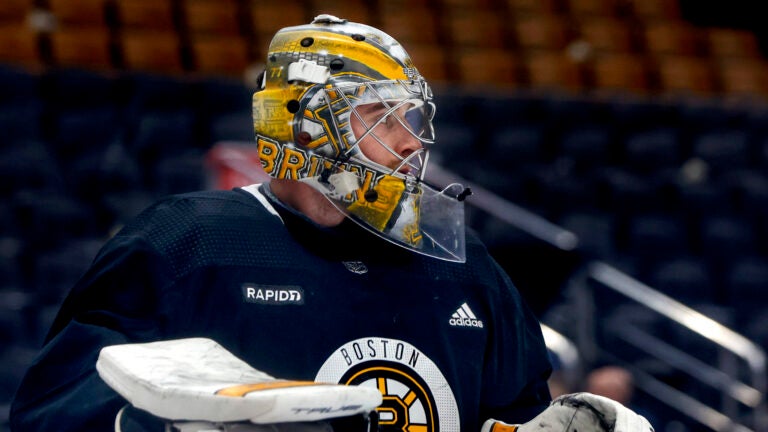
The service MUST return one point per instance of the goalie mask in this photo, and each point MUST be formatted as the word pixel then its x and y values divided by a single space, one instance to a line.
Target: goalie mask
pixel 342 107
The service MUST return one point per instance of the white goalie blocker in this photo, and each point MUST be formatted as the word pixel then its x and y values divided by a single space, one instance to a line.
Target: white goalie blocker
pixel 197 379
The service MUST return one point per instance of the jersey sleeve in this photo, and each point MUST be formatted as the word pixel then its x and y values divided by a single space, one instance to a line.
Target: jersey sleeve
pixel 517 367
pixel 116 301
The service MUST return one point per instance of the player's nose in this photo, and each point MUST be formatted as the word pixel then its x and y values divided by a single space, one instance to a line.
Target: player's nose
pixel 407 144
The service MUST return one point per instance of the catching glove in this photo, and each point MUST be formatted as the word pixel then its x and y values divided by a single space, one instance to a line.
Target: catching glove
pixel 582 412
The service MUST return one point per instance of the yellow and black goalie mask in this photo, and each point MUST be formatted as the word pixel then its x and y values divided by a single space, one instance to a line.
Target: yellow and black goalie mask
pixel 342 107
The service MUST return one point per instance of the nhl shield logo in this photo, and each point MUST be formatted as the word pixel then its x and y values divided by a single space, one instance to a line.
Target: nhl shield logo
pixel 355 267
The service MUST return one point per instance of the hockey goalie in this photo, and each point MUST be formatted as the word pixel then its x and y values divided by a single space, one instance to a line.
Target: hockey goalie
pixel 348 278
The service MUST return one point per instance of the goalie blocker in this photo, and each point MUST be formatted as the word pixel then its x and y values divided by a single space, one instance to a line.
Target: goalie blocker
pixel 195 385
pixel 132 419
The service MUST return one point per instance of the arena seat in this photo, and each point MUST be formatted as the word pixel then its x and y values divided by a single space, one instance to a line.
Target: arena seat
pixel 49 218
pixel 224 111
pixel 58 269
pixel 561 190
pixel 11 244
pixel 541 31
pixel 75 14
pixel 671 37
pixel 157 51
pixel 360 11
pixel 157 15
pixel 745 281
pixel 15 10
pixel 656 236
pixel 619 72
pixel 701 115
pixel 725 238
pixel 235 126
pixel 723 150
pixel 220 55
pixel 268 17
pixel 552 71
pixel 124 206
pixel 20 46
pixel 514 146
pixel 475 27
pixel 648 150
pixel 624 191
pixel 432 61
pixel 163 134
pixel 748 189
pixel 685 75
pixel 107 169
pixel 699 197
pixel 588 145
pixel 463 4
pixel 487 68
pixel 451 149
pixel 686 278
pixel 637 114
pixel 595 229
pixel 20 123
pixel 28 164
pixel 217 18
pixel 729 42
pixel 646 10
pixel 743 77
pixel 18 85
pixel 83 131
pixel 15 358
pixel 522 7
pixel 84 47
pixel 605 8
pixel 420 25
pixel 156 92
pixel 75 88
pixel 605 34
pixel 458 108
pixel 184 172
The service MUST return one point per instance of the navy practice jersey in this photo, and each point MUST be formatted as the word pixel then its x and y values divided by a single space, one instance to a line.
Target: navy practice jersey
pixel 448 344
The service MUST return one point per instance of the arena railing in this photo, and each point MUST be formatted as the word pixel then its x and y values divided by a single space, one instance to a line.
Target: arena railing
pixel 721 373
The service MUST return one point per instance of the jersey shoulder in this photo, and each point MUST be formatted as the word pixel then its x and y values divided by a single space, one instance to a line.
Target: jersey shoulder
pixel 205 228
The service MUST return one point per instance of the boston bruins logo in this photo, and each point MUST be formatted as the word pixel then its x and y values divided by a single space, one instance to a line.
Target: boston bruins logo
pixel 415 394
pixel 407 404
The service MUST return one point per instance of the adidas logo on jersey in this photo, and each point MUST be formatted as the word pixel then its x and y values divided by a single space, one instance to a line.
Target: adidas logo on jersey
pixel 464 317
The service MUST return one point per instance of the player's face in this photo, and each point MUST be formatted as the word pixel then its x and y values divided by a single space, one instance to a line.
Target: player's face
pixel 390 141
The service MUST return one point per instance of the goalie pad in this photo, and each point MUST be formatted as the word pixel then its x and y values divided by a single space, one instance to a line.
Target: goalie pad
pixel 578 412
pixel 197 379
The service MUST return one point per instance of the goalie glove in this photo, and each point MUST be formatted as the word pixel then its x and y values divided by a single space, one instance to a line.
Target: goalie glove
pixel 582 412
pixel 196 379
